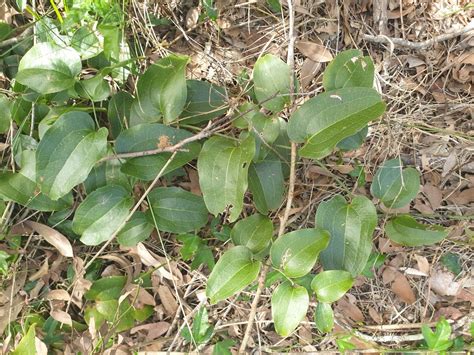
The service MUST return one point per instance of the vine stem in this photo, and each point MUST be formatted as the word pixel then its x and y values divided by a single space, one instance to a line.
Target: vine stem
pixel 291 184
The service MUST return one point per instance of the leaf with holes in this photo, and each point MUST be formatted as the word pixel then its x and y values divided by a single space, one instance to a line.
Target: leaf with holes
pixel 289 306
pixel 234 271
pixel 328 118
pixel 405 230
pixel 67 153
pixel 395 186
pixel 223 166
pixel 295 253
pixel 351 226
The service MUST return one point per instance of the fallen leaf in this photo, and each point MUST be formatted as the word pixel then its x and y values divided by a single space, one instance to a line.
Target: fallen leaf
pixel 314 51
pixel 387 246
pixel 61 317
pixel 53 237
pixel 401 287
pixel 377 318
pixel 450 163
pixel 60 295
pixel 40 347
pixel 43 270
pixel 305 335
pixel 349 310
pixel 167 300
pixel 388 274
pixel 11 308
pixel 434 195
pixel 464 197
pixel 308 72
pixel 153 330
pixel 442 282
pixel 149 259
pixel 422 263
pixel 80 284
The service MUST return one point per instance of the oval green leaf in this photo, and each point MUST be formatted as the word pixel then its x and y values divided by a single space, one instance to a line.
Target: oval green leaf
pixel 328 118
pixel 254 232
pixel 351 227
pixel 223 167
pixel 295 253
pixel 118 112
pixel 176 210
pixel 67 153
pixel 271 78
pixel 324 317
pixel 137 229
pixel 395 186
pixel 349 69
pixel 405 230
pixel 330 285
pixel 289 306
pixel 234 271
pixel 48 68
pixel 101 213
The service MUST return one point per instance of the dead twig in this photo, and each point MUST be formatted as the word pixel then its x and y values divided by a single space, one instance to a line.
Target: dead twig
pixel 399 42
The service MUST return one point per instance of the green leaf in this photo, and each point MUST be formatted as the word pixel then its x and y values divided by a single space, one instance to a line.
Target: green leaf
pixel 223 166
pixel 210 9
pixel 439 339
pixel 201 330
pixel 106 288
pixel 223 347
pixel 4 256
pixel 119 112
pixel 267 184
pixel 355 141
pixel 204 102
pixel 100 214
pixel 394 186
pixel 48 68
pixel 233 272
pixel 405 230
pixel 195 248
pixel 67 153
pixel 176 210
pixel 324 317
pixel 330 285
pixel 86 43
pixel 5 113
pixel 452 263
pixel 95 89
pixel 161 91
pixel 349 69
pixel 375 261
pixel 5 30
pixel 149 136
pixel 271 77
pixel 137 229
pixel 111 34
pixel 107 173
pixel 295 253
pixel 328 118
pixel 20 189
pixel 351 227
pixel 289 306
pixel 27 345
pixel 254 232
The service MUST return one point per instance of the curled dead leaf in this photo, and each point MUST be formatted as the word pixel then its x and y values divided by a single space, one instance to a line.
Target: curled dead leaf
pixel 53 237
pixel 59 295
pixel 61 317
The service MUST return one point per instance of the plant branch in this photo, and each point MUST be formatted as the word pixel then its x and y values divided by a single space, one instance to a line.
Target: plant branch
pixel 291 187
pixel 15 40
pixel 399 42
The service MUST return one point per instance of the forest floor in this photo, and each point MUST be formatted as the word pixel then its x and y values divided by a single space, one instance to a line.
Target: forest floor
pixel 424 60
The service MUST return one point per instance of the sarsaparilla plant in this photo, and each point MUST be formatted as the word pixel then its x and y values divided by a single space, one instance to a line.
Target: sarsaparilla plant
pixel 83 164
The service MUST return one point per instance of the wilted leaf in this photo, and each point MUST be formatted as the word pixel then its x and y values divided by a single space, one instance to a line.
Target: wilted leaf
pixel 53 237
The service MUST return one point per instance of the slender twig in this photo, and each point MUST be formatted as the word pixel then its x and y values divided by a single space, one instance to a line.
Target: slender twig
pixel 419 45
pixel 291 187
pixel 15 40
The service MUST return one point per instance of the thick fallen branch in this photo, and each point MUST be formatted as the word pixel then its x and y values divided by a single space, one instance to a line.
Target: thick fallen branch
pixel 399 42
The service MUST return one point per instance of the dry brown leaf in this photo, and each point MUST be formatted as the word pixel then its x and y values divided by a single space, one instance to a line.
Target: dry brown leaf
pixel 422 263
pixel 149 259
pixel 3 146
pixel 11 308
pixel 423 208
pixel 464 197
pixel 140 296
pixel 350 310
pixel 195 188
pixel 153 330
pixel 167 300
pixel 61 316
pixel 401 287
pixel 315 52
pixel 53 237
pixel 434 195
pixel 387 246
pixel 43 270
pixel 192 17
pixel 308 72
pixel 388 274
pixel 81 285
pixel 377 318
pixel 60 295
pixel 40 347
pixel 414 61
pixel 442 282
pixel 305 336
pixel 450 163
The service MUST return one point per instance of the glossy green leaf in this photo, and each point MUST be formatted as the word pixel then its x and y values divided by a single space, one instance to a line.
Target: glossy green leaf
pixel 149 136
pixel 289 306
pixel 271 77
pixel 331 285
pixel 20 189
pixel 94 89
pixel 27 345
pixel 324 317
pixel 137 229
pixel 5 114
pixel 395 186
pixel 349 69
pixel 106 173
pixel 118 112
pixel 405 230
pixel 201 330
pixel 351 227
pixel 67 153
pixel 328 118
pixel 161 91
pixel 234 271
pixel 267 184
pixel 48 68
pixel 106 288
pixel 295 253
pixel 254 232
pixel 439 340
pixel 86 43
pixel 101 213
pixel 204 102
pixel 176 210
pixel 223 167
